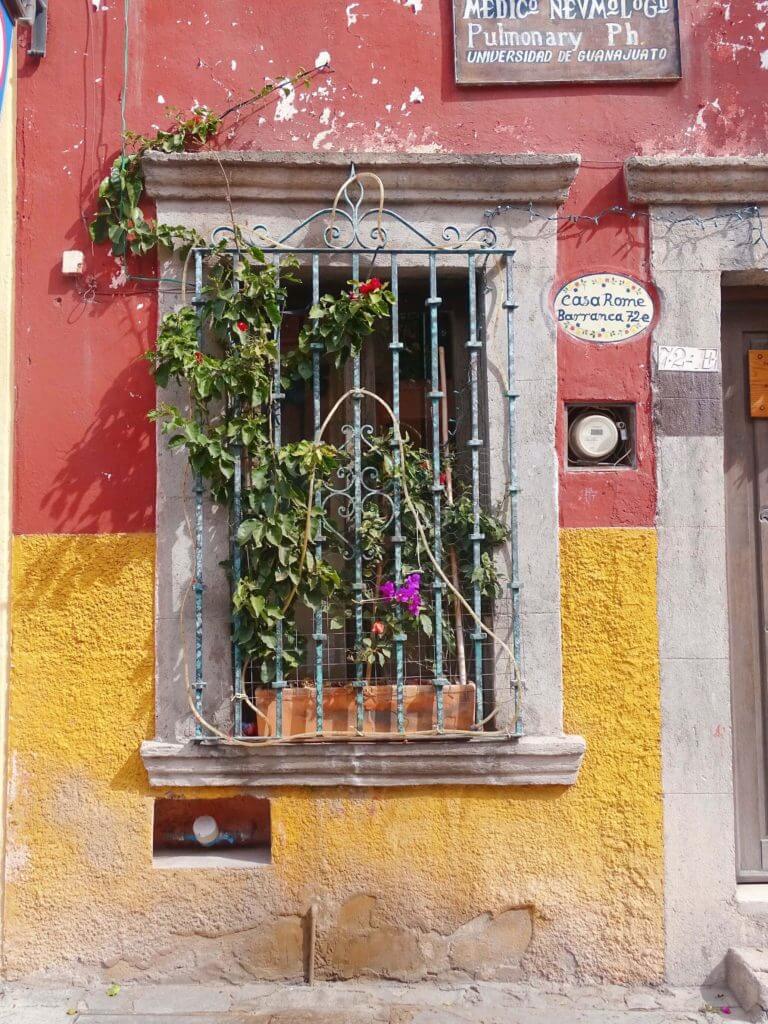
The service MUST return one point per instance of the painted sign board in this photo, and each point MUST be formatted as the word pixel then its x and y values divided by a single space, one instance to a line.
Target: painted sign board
pixel 530 41
pixel 603 308
pixel 6 35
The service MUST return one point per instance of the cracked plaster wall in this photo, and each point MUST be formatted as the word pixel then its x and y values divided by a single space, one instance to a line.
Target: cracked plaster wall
pixel 461 882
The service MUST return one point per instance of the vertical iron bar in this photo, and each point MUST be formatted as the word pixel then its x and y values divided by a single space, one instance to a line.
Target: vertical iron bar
pixel 435 395
pixel 278 683
pixel 237 516
pixel 512 394
pixel 199 684
pixel 397 540
pixel 475 443
pixel 318 636
pixel 357 427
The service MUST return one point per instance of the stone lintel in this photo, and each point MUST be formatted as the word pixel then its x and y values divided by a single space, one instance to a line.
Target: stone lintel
pixel 425 178
pixel 697 180
pixel 524 761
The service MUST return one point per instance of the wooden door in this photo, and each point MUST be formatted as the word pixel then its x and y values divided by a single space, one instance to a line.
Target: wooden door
pixel 745 328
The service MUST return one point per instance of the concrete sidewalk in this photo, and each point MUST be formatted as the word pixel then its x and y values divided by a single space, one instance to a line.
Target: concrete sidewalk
pixel 365 1003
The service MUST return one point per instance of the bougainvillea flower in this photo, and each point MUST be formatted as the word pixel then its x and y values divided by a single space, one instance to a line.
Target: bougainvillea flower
pixel 198 357
pixel 373 285
pixel 410 589
pixel 408 594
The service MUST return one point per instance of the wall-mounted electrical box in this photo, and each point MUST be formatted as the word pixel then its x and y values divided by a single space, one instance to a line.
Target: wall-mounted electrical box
pixel 600 436
pixel 20 10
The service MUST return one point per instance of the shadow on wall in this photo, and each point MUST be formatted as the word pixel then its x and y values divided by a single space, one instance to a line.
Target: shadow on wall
pixel 83 497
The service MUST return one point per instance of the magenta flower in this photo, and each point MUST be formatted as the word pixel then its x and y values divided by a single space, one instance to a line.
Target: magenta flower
pixel 408 594
pixel 410 588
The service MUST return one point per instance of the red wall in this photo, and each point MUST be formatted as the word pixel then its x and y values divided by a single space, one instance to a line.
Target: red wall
pixel 85 458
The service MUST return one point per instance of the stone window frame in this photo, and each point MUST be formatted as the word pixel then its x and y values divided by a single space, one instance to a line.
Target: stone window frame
pixel 278 190
pixel 704 911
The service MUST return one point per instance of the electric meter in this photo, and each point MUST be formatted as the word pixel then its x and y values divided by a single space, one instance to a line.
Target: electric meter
pixel 594 436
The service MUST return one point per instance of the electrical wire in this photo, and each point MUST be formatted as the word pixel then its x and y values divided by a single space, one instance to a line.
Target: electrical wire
pixel 752 215
pixel 124 91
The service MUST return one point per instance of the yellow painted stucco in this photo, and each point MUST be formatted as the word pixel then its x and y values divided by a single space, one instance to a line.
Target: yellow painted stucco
pixel 390 871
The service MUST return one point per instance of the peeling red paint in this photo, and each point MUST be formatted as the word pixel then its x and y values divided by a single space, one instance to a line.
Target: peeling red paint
pixel 85 454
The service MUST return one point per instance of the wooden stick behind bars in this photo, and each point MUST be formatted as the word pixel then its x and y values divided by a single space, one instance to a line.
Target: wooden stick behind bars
pixel 454 562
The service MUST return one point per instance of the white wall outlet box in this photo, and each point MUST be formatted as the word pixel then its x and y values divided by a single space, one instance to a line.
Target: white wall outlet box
pixel 72 262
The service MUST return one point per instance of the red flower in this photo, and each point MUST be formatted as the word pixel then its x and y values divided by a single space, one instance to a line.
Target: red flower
pixel 378 628
pixel 373 285
pixel 443 479
pixel 198 357
pixel 242 326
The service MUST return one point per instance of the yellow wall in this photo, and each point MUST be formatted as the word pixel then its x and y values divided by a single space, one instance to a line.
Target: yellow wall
pixel 7 239
pixel 400 870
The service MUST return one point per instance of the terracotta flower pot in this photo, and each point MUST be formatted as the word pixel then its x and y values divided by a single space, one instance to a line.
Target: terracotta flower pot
pixel 379 709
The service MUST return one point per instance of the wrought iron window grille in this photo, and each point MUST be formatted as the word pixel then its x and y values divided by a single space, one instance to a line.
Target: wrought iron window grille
pixel 332 694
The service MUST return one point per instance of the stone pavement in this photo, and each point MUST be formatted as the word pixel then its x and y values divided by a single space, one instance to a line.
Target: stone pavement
pixel 365 1003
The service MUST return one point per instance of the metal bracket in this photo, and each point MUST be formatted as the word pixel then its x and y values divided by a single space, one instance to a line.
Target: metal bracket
pixel 39 29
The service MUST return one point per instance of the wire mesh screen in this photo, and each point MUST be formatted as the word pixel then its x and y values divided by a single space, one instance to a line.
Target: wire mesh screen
pixel 419 518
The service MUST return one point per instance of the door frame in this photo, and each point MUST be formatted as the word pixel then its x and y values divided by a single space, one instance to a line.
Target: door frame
pixel 745 446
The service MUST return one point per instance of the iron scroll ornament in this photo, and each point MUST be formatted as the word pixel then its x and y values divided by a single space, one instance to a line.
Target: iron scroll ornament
pixel 363 228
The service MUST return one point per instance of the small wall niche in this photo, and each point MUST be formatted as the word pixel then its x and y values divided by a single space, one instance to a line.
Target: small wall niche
pixel 226 832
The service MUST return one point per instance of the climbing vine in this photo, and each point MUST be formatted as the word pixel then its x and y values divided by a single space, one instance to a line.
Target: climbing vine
pixel 222 353
pixel 120 219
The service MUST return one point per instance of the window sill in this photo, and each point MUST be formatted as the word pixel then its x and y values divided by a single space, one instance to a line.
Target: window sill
pixel 525 761
pixel 178 860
